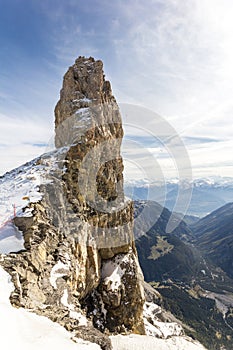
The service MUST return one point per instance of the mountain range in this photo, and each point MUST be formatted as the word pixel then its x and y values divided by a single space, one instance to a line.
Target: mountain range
pixel 208 194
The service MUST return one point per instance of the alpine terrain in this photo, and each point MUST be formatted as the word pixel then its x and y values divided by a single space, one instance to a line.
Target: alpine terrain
pixel 70 276
pixel 191 268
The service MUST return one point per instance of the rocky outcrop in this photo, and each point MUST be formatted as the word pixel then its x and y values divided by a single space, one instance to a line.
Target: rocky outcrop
pixel 80 266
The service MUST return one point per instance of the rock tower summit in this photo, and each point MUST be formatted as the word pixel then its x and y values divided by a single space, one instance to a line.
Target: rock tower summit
pixel 79 242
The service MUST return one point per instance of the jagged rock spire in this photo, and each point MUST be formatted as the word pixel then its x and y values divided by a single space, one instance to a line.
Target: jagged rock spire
pixel 83 84
pixel 79 240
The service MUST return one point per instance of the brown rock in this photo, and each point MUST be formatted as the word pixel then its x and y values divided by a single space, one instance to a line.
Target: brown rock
pixel 82 224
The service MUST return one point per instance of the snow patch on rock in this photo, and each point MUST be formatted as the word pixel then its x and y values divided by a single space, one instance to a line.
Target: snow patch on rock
pixel 154 327
pixel 82 320
pixel 112 274
pixel 59 270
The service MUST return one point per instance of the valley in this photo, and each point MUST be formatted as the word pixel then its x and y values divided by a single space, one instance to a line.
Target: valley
pixel 193 285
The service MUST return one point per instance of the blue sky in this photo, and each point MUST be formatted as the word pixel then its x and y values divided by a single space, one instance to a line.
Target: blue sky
pixel 173 57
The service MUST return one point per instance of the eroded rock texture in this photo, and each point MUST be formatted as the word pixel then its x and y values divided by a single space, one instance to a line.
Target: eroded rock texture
pixel 79 256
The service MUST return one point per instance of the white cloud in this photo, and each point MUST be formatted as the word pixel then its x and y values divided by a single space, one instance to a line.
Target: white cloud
pixel 180 63
pixel 21 141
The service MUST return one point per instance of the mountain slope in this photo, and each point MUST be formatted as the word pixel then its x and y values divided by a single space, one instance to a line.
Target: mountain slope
pixel 33 332
pixel 21 329
pixel 166 256
pixel 149 214
pixel 214 236
pixel 194 290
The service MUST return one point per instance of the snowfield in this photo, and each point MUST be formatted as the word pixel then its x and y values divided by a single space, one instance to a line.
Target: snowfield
pixel 20 187
pixel 17 188
pixel 141 342
pixel 11 239
pixel 23 330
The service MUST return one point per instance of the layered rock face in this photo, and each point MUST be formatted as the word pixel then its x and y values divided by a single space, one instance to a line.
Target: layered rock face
pixel 80 258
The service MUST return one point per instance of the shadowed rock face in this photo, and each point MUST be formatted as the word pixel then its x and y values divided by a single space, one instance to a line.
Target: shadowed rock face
pixel 80 252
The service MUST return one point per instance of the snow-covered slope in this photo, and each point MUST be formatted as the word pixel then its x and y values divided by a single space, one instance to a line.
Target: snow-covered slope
pixel 23 330
pixel 140 342
pixel 20 187
pixel 17 188
pixel 11 239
